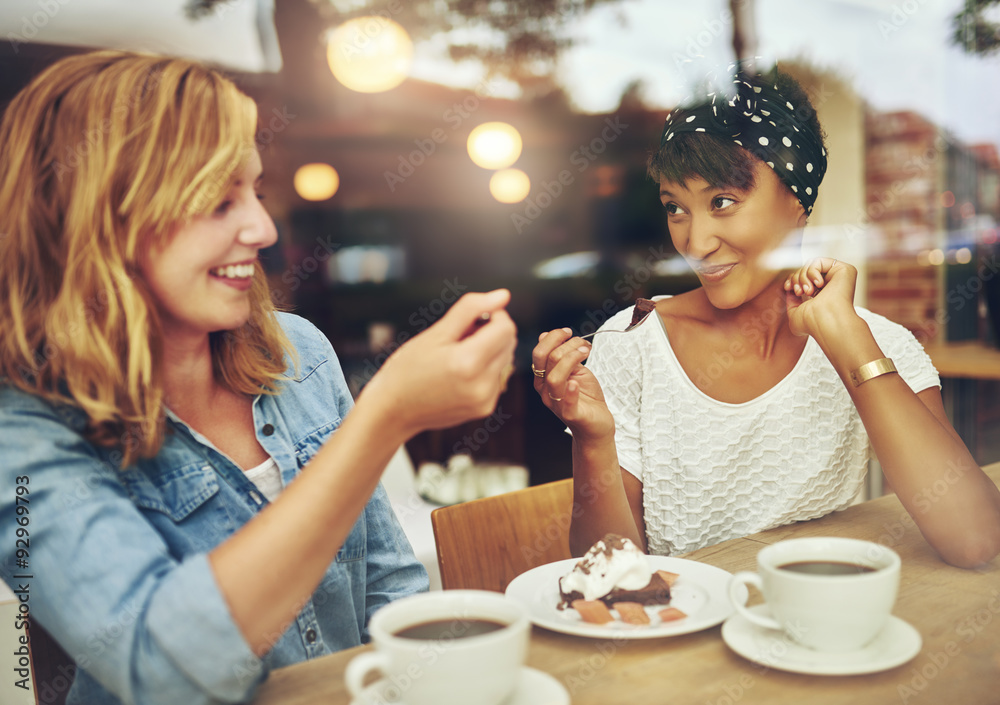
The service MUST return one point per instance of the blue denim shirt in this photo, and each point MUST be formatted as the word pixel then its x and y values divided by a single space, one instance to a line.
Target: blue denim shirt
pixel 117 561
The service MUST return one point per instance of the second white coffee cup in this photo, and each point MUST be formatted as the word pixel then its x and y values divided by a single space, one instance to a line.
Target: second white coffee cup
pixel 826 593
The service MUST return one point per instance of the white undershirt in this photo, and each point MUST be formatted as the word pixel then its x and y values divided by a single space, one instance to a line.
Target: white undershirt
pixel 267 477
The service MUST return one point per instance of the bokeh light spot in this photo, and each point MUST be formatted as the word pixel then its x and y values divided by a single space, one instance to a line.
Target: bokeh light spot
pixel 370 54
pixel 494 145
pixel 510 186
pixel 316 182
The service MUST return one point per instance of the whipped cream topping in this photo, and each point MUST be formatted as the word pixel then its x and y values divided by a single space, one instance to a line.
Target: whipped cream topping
pixel 613 562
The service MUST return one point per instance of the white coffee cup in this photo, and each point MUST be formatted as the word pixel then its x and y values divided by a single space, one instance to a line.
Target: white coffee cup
pixel 450 668
pixel 825 612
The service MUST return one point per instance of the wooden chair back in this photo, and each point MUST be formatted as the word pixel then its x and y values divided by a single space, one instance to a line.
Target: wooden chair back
pixel 485 543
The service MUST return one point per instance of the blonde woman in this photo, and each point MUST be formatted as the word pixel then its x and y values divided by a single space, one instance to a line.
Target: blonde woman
pixel 199 491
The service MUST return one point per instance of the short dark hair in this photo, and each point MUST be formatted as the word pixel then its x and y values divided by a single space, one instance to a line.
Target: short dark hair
pixel 718 160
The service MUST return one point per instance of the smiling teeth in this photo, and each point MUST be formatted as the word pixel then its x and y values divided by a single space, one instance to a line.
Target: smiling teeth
pixel 234 271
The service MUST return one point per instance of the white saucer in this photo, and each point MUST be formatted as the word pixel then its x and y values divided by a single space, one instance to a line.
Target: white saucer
pixel 895 645
pixel 534 687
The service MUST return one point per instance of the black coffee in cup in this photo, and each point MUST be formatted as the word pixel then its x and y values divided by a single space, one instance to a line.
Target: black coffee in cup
pixel 449 629
pixel 826 568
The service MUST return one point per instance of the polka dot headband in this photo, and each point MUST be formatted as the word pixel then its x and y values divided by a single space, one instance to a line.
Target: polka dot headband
pixel 758 118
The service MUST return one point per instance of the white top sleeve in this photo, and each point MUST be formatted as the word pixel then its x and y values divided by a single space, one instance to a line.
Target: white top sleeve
pixel 912 362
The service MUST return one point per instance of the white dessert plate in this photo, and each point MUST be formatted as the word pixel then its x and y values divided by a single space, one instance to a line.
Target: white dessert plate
pixel 701 592
pixel 895 645
pixel 534 687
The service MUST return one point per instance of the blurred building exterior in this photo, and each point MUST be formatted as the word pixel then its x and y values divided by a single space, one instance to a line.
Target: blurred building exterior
pixel 933 205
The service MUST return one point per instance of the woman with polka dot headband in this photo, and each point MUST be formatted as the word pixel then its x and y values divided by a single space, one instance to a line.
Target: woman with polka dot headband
pixel 756 399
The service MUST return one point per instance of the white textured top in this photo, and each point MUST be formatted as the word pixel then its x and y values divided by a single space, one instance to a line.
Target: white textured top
pixel 267 477
pixel 712 470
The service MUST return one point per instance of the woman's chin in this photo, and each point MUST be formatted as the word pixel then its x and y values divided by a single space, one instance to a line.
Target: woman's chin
pixel 724 298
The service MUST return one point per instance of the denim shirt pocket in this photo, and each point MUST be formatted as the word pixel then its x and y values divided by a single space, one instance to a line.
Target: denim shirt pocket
pixel 176 492
pixel 307 446
pixel 355 544
pixel 354 548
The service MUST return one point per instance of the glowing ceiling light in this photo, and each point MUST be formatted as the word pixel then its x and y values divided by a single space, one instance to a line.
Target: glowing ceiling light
pixel 370 54
pixel 316 182
pixel 510 186
pixel 494 145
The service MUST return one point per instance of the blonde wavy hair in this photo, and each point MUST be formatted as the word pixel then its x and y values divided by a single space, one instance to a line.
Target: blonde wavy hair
pixel 101 155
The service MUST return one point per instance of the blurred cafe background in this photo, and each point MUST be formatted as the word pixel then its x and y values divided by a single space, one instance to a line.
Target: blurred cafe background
pixel 418 149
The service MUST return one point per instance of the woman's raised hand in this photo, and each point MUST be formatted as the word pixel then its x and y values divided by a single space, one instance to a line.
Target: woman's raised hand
pixel 817 293
pixel 568 388
pixel 452 372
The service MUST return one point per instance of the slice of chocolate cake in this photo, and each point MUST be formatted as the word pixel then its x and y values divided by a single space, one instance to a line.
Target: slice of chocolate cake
pixel 615 570
pixel 656 592
pixel 642 308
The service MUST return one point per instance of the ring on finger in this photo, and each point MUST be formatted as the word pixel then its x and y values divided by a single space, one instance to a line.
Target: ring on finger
pixel 554 398
pixel 537 373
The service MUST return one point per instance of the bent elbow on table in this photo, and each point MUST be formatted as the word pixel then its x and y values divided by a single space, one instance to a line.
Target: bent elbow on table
pixel 973 546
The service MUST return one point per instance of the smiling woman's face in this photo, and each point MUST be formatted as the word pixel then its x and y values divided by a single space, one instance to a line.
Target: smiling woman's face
pixel 727 235
pixel 200 276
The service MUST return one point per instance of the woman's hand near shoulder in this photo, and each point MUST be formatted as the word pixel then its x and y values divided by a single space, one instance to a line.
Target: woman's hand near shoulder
pixel 820 294
pixel 450 373
pixel 569 389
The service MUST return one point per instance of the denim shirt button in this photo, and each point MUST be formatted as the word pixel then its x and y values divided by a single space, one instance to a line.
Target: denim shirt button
pixel 267 429
pixel 311 636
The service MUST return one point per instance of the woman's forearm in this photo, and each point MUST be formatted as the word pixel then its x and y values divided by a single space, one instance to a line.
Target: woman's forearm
pixel 288 547
pixel 452 372
pixel 600 504
pixel 954 504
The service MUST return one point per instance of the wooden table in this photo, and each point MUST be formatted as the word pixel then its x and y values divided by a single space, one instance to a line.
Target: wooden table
pixel 971 359
pixel 956 611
